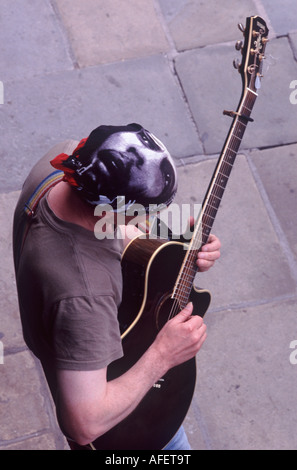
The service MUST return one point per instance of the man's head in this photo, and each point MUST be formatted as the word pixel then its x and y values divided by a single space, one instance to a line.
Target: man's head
pixel 118 164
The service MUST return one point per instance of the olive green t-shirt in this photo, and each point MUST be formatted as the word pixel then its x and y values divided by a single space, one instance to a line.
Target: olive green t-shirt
pixel 69 285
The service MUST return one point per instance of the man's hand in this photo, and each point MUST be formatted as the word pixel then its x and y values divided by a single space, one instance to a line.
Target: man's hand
pixel 209 253
pixel 180 338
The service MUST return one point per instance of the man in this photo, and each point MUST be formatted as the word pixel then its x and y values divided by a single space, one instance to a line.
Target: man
pixel 69 282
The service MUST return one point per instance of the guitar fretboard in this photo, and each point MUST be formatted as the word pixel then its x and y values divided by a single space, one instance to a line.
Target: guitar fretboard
pixel 213 198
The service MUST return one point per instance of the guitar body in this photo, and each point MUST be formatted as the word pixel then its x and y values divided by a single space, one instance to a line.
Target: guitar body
pixel 150 269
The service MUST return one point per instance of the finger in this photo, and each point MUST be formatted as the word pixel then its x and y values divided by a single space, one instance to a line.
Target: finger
pixel 198 336
pixel 201 341
pixel 184 314
pixel 191 221
pixel 194 323
pixel 209 255
pixel 213 244
pixel 204 265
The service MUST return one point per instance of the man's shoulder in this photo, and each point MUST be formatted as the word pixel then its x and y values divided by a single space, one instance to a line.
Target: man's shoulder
pixel 43 168
pixel 40 171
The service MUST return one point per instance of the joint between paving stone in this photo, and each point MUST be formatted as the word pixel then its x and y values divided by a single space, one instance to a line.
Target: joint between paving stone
pixel 202 425
pixel 171 56
pixel 284 244
pixel 165 28
pixel 17 440
pixel 262 12
pixel 254 303
pixel 293 45
pixel 64 32
pixel 191 116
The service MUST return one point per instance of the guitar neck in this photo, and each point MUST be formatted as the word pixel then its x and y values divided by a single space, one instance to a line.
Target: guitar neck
pixel 223 169
pixel 214 196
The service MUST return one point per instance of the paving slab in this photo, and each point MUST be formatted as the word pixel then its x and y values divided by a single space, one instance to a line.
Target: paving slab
pixel 252 267
pixel 27 415
pixel 246 383
pixel 10 328
pixel 211 85
pixel 32 42
pixel 196 24
pixel 195 428
pixel 42 441
pixel 105 31
pixel 283 16
pixel 76 102
pixel 23 406
pixel 277 169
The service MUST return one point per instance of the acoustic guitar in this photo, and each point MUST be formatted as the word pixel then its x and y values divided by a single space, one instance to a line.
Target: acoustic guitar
pixel 158 277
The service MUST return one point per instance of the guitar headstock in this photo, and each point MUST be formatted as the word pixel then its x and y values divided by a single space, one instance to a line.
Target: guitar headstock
pixel 255 38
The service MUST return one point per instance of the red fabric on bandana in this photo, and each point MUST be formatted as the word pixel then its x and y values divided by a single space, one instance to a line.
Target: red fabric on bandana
pixel 58 163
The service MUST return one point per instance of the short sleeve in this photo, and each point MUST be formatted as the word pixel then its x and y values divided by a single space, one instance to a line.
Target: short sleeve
pixel 86 333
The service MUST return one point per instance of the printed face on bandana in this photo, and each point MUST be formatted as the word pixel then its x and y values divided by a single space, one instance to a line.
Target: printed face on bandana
pixel 127 163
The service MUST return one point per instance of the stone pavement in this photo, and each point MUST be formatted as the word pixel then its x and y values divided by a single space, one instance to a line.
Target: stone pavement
pixel 70 65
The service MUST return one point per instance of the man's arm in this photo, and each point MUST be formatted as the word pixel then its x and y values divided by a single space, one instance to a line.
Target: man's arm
pixel 88 405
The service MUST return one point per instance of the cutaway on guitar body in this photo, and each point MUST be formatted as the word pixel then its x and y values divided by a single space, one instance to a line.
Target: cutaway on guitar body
pixel 150 269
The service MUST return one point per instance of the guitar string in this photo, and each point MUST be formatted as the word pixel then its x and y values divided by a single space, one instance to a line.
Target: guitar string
pixel 184 287
pixel 188 271
pixel 217 193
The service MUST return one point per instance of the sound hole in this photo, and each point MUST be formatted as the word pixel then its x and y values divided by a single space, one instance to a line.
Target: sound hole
pixel 166 309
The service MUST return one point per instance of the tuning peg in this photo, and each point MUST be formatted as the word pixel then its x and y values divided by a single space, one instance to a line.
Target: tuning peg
pixel 236 64
pixel 238 45
pixel 241 27
pixel 258 81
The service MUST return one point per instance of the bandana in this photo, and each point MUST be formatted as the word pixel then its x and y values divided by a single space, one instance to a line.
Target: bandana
pixel 122 166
